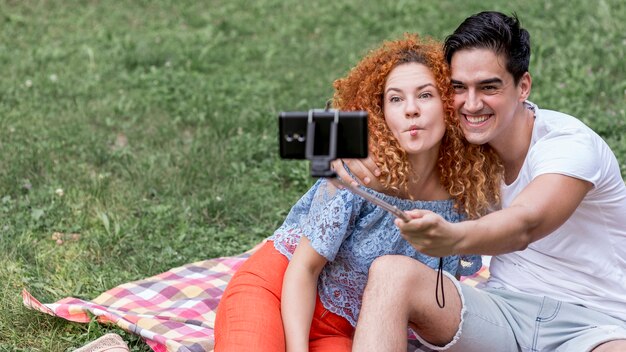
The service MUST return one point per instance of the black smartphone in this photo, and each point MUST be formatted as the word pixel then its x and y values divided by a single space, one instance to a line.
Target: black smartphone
pixel 351 133
pixel 335 134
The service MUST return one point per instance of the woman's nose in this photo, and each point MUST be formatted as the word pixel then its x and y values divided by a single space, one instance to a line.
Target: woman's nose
pixel 411 108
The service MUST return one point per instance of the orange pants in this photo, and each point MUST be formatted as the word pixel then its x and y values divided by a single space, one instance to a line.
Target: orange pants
pixel 249 319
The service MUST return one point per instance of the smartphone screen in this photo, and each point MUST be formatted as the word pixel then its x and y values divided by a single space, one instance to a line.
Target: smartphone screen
pixel 351 139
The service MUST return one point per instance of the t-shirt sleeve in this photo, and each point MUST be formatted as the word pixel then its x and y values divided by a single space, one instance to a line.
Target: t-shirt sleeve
pixel 570 152
pixel 331 219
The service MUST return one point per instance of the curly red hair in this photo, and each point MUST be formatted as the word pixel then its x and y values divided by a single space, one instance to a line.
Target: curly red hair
pixel 470 173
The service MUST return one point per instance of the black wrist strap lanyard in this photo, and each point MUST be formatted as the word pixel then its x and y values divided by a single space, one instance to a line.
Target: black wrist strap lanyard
pixel 441 303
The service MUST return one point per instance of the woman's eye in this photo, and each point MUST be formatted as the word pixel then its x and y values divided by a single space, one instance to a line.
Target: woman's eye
pixel 394 99
pixel 424 95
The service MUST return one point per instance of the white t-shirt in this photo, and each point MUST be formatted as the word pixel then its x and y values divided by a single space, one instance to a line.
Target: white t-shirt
pixel 584 260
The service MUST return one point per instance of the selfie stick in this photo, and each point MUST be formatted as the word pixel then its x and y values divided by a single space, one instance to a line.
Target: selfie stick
pixel 373 199
pixel 320 164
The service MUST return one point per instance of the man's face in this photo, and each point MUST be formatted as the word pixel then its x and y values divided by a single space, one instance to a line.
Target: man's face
pixel 486 96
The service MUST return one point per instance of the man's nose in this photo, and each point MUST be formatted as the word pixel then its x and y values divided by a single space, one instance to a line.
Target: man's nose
pixel 473 101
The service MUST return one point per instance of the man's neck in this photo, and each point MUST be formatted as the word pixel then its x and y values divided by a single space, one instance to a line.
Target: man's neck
pixel 513 147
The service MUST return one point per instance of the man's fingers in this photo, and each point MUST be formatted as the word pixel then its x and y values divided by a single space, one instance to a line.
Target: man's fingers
pixel 337 166
pixel 421 222
pixel 416 213
pixel 359 171
pixel 364 170
pixel 370 164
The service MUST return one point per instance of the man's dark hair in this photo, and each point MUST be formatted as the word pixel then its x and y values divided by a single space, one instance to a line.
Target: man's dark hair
pixel 495 31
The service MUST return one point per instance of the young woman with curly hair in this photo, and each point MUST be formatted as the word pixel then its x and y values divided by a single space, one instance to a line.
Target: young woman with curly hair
pixel 302 290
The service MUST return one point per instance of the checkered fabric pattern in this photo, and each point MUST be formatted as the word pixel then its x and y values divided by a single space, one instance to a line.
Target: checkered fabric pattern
pixel 173 311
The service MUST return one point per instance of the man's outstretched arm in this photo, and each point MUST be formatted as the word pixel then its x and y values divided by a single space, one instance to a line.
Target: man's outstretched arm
pixel 544 205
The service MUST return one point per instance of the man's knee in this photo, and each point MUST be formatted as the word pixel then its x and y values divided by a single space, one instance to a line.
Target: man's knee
pixel 383 265
pixel 611 346
pixel 387 265
pixel 397 269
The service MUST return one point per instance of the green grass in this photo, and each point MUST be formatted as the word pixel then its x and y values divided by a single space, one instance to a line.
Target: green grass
pixel 157 120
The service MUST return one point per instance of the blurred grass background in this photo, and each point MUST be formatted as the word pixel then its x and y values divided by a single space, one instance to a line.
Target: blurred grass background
pixel 136 136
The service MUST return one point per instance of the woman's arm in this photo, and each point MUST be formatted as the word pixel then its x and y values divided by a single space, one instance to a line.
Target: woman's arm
pixel 299 295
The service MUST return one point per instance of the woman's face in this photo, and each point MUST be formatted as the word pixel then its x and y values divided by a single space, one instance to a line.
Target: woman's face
pixel 413 108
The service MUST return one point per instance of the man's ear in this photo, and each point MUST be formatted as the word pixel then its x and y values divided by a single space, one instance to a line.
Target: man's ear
pixel 524 85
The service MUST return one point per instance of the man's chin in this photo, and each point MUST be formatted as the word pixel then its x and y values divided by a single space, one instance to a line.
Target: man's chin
pixel 476 138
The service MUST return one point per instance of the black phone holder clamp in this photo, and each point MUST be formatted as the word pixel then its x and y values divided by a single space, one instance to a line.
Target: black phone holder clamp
pixel 320 164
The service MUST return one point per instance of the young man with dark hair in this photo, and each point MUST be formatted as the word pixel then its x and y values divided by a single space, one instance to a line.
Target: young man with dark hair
pixel 558 275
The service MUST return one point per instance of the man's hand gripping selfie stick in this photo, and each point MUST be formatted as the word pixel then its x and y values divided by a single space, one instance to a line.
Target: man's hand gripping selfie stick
pixel 320 164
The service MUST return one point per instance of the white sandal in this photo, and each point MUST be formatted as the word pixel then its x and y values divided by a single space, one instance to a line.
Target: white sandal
pixel 108 343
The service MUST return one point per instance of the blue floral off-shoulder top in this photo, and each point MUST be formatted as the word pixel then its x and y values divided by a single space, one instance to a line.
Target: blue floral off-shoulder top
pixel 350 233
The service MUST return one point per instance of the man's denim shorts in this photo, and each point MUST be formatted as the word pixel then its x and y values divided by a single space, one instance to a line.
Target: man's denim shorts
pixel 496 320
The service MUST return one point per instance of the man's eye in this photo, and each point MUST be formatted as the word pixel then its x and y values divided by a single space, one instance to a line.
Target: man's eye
pixel 489 88
pixel 457 87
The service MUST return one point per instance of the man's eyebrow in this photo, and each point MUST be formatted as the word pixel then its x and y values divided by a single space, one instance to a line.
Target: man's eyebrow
pixel 490 81
pixel 485 81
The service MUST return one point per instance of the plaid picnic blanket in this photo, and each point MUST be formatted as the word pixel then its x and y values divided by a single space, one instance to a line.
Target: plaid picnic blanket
pixel 173 311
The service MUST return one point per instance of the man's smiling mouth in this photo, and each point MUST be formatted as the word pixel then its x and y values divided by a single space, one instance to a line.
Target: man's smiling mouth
pixel 477 119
